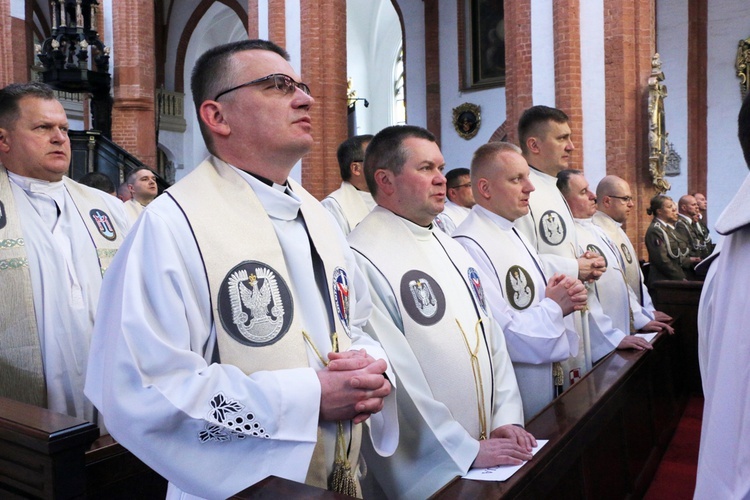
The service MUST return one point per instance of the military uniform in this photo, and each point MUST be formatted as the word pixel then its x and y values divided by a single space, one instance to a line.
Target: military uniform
pixel 686 228
pixel 668 253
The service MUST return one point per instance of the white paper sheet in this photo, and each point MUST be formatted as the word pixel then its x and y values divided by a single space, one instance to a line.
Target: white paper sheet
pixel 647 336
pixel 500 472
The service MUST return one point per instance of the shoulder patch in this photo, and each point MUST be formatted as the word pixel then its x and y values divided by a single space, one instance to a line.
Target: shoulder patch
pixel 341 297
pixel 103 224
pixel 552 228
pixel 595 249
pixel 422 297
pixel 520 288
pixel 476 287
pixel 255 304
pixel 626 253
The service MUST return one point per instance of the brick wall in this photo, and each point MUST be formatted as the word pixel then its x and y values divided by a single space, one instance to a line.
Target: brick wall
pixel 567 36
pixel 432 67
pixel 518 82
pixel 252 19
pixel 133 121
pixel 629 43
pixel 6 59
pixel 277 21
pixel 324 69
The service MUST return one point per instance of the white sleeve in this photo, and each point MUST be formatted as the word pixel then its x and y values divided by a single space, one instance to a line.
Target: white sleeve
pixel 603 335
pixel 535 335
pixel 337 212
pixel 151 374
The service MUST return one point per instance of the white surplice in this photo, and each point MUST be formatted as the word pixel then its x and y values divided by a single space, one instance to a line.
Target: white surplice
pixel 724 353
pixel 152 369
pixel 436 373
pixel 66 279
pixel 534 330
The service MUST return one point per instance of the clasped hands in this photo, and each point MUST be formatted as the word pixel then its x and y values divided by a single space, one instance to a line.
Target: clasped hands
pixel 352 386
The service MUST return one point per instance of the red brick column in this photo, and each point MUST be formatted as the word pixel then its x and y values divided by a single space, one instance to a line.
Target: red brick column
pixel 252 19
pixel 629 42
pixel 277 22
pixel 133 120
pixel 15 59
pixel 6 56
pixel 432 66
pixel 697 99
pixel 518 81
pixel 324 69
pixel 567 28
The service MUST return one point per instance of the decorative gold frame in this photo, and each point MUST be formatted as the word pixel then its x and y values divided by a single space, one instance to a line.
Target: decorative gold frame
pixel 466 120
pixel 742 65
pixel 658 145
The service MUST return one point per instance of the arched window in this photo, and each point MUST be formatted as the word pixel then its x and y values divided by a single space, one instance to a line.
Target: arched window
pixel 399 102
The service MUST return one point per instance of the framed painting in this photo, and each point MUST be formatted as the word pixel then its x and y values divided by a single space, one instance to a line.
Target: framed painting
pixel 486 43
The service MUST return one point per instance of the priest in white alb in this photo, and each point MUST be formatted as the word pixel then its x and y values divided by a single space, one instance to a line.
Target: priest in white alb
pixel 57 238
pixel 351 203
pixel 614 311
pixel 231 346
pixel 528 305
pixel 458 401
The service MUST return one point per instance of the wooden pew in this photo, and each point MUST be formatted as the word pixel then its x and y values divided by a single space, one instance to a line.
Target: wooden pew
pixel 680 300
pixel 606 434
pixel 44 454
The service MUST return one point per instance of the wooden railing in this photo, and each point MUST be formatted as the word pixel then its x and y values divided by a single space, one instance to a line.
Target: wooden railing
pixel 606 435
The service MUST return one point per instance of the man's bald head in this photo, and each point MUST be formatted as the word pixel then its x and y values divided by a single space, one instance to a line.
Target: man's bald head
pixel 688 205
pixel 613 197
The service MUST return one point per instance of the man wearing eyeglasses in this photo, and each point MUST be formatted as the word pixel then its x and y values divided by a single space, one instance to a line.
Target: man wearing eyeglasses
pixel 458 400
pixel 460 199
pixel 228 350
pixel 351 203
pixel 614 311
pixel 614 202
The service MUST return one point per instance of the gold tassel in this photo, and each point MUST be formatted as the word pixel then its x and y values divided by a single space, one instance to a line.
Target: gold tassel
pixel 342 478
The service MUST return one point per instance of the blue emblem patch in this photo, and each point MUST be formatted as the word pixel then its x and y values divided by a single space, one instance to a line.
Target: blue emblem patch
pixel 103 224
pixel 476 287
pixel 341 297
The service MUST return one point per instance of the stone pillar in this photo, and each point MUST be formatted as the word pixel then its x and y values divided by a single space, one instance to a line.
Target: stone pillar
pixel 324 69
pixel 518 80
pixel 629 43
pixel 567 35
pixel 133 120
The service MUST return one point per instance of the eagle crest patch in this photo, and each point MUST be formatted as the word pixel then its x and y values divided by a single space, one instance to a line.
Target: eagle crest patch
pixel 255 304
pixel 422 297
pixel 552 228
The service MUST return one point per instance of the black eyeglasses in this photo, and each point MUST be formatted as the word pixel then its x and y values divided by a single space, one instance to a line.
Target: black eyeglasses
pixel 468 184
pixel 282 82
pixel 626 199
